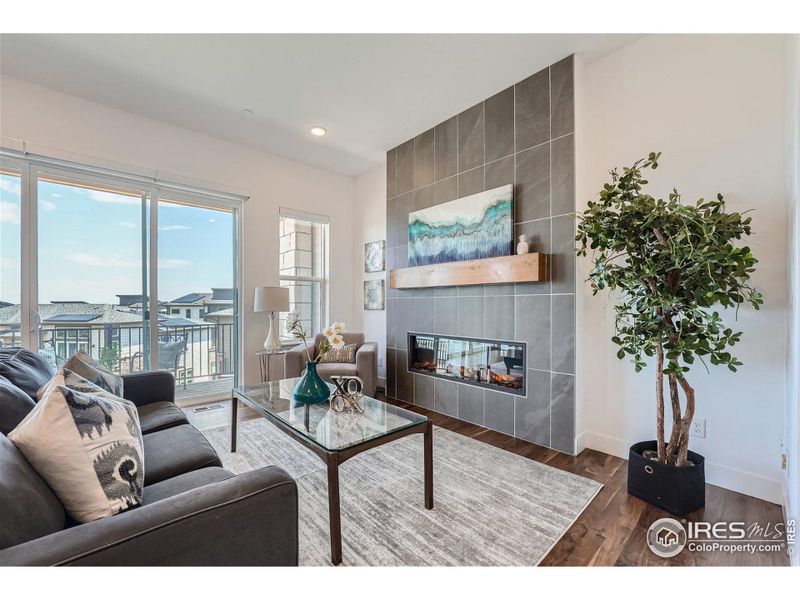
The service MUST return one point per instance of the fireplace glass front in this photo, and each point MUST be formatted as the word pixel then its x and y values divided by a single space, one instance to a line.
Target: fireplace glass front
pixel 495 364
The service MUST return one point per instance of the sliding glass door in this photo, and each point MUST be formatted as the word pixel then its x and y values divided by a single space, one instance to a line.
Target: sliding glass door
pixel 91 271
pixel 10 255
pixel 197 292
pixel 138 274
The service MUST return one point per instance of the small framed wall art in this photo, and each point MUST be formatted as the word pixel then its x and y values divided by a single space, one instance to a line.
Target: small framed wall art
pixel 375 256
pixel 374 294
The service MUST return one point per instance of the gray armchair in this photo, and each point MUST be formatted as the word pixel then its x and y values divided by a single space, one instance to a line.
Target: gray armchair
pixel 365 367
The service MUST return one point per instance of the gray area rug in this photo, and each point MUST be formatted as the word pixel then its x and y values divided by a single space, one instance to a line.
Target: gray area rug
pixel 491 507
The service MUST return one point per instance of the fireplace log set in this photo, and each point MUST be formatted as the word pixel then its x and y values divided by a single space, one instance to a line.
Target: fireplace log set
pixel 490 363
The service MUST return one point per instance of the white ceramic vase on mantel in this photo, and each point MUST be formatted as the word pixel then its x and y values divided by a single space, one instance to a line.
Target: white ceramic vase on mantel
pixel 523 247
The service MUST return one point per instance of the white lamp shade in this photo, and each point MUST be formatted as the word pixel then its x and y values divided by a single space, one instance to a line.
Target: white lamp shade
pixel 271 299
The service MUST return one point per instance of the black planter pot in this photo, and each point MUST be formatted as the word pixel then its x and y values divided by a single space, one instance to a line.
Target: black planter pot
pixel 678 490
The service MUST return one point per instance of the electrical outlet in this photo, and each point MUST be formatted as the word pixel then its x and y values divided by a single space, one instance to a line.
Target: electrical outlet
pixel 698 428
pixel 380 361
pixel 784 461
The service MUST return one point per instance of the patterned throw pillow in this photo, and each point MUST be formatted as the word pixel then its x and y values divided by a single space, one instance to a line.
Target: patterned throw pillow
pixel 78 384
pixel 87 445
pixel 85 366
pixel 346 355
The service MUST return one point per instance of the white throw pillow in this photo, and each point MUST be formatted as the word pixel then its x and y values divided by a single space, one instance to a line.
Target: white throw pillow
pixel 77 383
pixel 85 366
pixel 87 445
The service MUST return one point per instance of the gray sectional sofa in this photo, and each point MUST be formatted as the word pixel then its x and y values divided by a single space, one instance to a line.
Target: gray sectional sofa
pixel 194 512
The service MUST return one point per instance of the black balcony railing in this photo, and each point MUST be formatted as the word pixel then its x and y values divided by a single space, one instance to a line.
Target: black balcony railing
pixel 192 353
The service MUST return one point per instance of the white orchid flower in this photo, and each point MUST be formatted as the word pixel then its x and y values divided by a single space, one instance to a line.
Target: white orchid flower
pixel 328 332
pixel 337 342
pixel 338 328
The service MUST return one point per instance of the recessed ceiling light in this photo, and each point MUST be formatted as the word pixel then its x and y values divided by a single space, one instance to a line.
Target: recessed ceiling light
pixel 248 112
pixel 318 131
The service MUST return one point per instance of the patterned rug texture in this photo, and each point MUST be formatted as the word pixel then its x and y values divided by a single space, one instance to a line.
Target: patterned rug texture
pixel 491 507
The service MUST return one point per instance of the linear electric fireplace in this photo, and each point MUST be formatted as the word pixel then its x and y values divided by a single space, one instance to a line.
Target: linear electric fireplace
pixel 495 364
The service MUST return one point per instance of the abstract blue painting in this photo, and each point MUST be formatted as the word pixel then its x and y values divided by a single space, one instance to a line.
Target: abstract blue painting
pixel 477 226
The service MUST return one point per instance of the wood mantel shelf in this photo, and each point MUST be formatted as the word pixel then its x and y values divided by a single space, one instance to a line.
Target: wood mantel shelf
pixel 502 269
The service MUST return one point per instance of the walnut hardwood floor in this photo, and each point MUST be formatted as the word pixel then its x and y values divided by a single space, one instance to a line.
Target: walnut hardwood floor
pixel 612 530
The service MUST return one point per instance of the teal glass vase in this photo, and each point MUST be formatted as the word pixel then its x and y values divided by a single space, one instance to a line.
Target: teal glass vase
pixel 311 389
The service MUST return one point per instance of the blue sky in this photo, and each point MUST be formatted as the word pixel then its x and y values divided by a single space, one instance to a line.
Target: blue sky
pixel 90 245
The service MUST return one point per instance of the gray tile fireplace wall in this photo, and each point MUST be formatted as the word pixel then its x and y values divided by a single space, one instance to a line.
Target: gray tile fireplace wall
pixel 523 135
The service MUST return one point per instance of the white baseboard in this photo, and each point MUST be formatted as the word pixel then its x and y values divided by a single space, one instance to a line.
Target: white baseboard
pixel 604 443
pixel 716 474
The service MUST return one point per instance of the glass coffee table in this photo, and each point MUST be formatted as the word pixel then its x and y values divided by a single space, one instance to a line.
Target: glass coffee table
pixel 334 436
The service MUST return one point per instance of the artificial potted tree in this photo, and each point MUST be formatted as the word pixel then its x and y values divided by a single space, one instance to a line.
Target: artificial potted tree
pixel 670 263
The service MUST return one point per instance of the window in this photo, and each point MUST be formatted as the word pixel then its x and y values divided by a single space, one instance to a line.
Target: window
pixel 199 240
pixel 10 257
pixel 303 267
pixel 68 342
pixel 104 245
pixel 90 255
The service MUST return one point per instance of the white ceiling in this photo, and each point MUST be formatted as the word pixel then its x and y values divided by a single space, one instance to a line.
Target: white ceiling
pixel 372 92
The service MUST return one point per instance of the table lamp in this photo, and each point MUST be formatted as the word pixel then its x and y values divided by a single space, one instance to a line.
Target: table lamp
pixel 272 300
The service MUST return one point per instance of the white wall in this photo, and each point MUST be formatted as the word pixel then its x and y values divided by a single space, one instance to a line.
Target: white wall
pixel 44 117
pixel 714 105
pixel 792 432
pixel 369 225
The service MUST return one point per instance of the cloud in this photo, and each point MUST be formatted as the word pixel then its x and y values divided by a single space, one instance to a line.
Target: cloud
pixel 112 198
pixel 9 212
pixel 10 186
pixel 109 198
pixel 172 263
pixel 8 263
pixel 129 225
pixel 93 260
pixel 174 228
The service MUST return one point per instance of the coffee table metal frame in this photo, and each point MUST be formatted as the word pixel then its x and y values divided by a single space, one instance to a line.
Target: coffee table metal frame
pixel 334 458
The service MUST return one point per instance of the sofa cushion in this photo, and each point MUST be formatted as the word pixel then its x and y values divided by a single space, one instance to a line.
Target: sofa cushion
pixel 14 405
pixel 345 354
pixel 184 483
pixel 85 366
pixel 174 451
pixel 160 415
pixel 25 369
pixel 149 386
pixel 327 370
pixel 87 445
pixel 349 338
pixel 30 509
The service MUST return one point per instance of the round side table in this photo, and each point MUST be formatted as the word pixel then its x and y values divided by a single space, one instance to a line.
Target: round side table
pixel 264 361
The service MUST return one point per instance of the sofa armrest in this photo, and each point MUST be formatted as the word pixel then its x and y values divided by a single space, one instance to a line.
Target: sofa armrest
pixel 367 366
pixel 246 520
pixel 147 387
pixel 295 359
